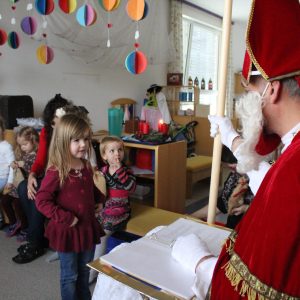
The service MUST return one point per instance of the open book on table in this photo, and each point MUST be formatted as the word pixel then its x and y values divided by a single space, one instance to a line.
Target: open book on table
pixel 149 258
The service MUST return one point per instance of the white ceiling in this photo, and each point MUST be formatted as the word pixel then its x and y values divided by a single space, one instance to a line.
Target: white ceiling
pixel 240 8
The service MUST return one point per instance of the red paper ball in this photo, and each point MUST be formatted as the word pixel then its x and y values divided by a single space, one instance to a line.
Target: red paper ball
pixel 109 25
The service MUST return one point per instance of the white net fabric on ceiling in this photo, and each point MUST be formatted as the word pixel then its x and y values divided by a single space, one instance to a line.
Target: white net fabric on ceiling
pixel 89 43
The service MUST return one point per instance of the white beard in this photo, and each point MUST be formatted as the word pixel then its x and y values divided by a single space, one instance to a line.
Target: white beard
pixel 249 112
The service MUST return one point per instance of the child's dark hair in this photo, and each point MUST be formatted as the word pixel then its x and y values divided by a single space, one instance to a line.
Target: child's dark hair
pixel 29 134
pixel 49 113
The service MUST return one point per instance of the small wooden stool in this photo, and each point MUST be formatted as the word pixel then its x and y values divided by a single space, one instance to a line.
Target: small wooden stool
pixel 197 168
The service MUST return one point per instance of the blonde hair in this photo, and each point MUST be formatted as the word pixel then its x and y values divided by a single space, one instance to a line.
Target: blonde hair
pixel 70 127
pixel 2 128
pixel 29 134
pixel 107 140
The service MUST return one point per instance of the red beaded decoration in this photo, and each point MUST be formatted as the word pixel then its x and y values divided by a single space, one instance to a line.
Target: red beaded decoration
pixel 136 45
pixel 109 25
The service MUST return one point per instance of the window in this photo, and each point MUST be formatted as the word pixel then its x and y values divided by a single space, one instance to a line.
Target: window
pixel 201 55
pixel 200 51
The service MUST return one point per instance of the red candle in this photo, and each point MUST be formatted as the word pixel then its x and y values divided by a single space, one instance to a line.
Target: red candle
pixel 145 128
pixel 159 127
pixel 140 129
pixel 164 128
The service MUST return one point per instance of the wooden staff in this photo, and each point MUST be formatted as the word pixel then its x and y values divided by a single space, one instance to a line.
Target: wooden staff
pixel 217 149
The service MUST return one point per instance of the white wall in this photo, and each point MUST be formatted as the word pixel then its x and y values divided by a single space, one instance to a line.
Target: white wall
pixel 89 85
pixel 238 45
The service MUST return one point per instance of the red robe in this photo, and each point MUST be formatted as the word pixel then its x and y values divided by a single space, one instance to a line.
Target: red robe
pixel 262 259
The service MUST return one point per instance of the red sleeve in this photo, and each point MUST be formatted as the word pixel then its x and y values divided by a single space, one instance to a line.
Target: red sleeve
pixel 45 199
pixel 40 162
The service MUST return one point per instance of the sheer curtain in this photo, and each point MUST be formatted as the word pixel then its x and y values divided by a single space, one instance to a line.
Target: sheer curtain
pixel 176 65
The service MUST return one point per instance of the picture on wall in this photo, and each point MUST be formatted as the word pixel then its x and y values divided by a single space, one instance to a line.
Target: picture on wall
pixel 174 78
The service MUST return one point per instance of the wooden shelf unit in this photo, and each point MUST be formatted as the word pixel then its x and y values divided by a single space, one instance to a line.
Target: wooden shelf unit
pixel 169 174
pixel 175 105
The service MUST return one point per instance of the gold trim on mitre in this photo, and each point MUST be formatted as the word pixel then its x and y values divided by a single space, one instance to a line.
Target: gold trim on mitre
pixel 253 59
pixel 248 46
pixel 292 74
pixel 249 49
pixel 249 285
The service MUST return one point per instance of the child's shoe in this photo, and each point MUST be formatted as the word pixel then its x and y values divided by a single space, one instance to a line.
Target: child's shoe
pixel 13 229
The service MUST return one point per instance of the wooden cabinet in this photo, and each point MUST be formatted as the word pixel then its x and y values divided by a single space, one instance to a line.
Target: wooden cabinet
pixel 169 174
pixel 182 100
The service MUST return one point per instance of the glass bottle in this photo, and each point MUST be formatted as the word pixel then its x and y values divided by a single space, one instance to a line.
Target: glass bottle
pixel 202 84
pixel 196 82
pixel 210 84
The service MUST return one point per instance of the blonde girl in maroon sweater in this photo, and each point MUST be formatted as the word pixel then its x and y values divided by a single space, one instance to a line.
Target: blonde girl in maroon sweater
pixel 68 197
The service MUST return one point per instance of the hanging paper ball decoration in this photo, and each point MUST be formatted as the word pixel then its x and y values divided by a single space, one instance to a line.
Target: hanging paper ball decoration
pixel 13 40
pixel 146 10
pixel 86 15
pixel 109 5
pixel 29 25
pixel 3 37
pixel 136 62
pixel 135 9
pixel 67 6
pixel 44 7
pixel 13 1
pixel 44 54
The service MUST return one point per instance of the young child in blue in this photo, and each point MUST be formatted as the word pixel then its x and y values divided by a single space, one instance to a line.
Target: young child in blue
pixel 6 158
pixel 68 197
pixel 119 183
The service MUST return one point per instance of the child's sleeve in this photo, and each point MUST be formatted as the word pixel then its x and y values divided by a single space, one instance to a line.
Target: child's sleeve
pixel 98 196
pixel 40 162
pixel 126 178
pixel 46 196
pixel 10 157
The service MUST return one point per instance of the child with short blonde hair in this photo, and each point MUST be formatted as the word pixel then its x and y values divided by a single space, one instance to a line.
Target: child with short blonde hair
pixel 120 181
pixel 68 198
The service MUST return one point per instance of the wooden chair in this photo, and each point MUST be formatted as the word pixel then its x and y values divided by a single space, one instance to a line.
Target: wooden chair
pixel 132 124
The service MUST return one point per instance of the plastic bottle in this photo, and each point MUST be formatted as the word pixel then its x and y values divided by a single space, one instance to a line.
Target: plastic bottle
pixel 202 84
pixel 190 81
pixel 196 82
pixel 126 113
pixel 210 84
pixel 190 94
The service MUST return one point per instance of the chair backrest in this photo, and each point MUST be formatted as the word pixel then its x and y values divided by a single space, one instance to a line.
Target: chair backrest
pixel 123 101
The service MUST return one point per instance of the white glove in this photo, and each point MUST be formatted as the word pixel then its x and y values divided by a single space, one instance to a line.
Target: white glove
pixel 224 126
pixel 188 250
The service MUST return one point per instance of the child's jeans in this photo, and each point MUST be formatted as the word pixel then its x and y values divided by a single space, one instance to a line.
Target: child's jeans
pixel 3 182
pixel 74 275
